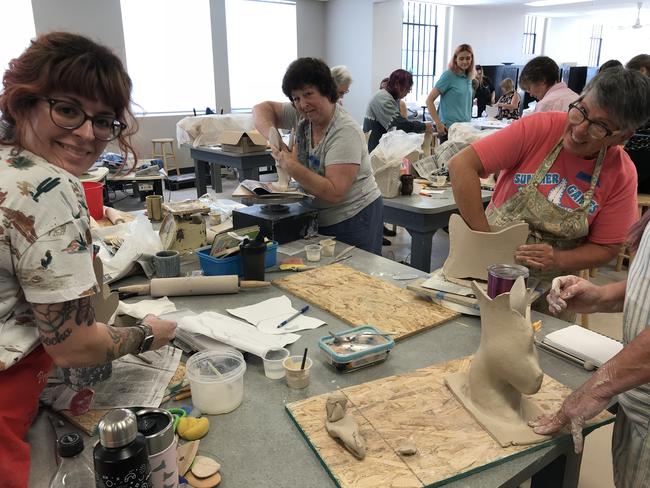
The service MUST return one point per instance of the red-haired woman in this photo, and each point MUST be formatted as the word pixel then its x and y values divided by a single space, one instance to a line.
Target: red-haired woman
pixel 455 91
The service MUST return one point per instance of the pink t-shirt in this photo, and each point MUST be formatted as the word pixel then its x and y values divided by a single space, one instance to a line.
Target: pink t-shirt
pixel 557 99
pixel 519 149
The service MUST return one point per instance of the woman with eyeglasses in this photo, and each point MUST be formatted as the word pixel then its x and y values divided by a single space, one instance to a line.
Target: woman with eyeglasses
pixel 343 80
pixel 62 101
pixel 565 173
pixel 329 158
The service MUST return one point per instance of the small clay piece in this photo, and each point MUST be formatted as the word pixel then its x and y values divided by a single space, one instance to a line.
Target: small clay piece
pixel 407 448
pixel 504 367
pixel 471 252
pixel 342 426
pixel 185 455
pixel 213 480
pixel 204 467
pixel 336 406
pixel 276 141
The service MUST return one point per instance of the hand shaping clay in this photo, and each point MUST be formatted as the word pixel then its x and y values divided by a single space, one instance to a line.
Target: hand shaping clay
pixel 504 367
pixel 276 141
pixel 471 252
pixel 342 426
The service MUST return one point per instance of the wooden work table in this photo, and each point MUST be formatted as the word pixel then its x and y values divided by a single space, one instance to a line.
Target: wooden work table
pixel 258 444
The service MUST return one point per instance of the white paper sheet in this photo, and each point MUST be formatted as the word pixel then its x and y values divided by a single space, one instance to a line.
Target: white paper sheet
pixel 267 315
pixel 236 333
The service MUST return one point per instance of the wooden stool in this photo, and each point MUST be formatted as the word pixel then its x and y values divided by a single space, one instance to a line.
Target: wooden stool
pixel 160 150
pixel 643 201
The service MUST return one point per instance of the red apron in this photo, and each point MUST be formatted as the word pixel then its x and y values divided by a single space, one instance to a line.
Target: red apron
pixel 20 387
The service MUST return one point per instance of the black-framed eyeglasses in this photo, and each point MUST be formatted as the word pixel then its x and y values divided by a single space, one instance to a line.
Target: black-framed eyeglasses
pixel 69 115
pixel 596 130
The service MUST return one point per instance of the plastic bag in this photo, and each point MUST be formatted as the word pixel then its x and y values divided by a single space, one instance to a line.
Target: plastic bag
pixel 386 159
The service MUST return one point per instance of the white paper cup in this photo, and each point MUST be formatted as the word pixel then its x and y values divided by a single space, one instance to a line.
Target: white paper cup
pixel 297 378
pixel 273 359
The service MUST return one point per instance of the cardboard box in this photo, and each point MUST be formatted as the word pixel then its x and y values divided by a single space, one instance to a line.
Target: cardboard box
pixel 242 141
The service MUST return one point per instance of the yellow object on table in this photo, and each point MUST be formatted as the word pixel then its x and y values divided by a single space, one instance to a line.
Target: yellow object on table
pixel 190 428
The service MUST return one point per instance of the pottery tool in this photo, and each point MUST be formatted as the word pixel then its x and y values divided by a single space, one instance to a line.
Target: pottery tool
pixel 340 255
pixel 298 313
pixel 193 285
pixel 304 358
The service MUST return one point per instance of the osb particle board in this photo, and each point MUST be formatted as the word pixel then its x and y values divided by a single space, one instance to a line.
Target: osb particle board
pixel 360 299
pixel 88 421
pixel 416 405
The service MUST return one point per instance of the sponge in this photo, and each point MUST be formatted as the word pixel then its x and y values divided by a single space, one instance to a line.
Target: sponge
pixel 190 428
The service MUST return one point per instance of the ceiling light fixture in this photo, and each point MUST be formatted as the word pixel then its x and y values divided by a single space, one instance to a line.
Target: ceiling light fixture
pixel 551 3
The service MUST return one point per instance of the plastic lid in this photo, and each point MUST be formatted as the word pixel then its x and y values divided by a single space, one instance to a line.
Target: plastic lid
pixel 69 444
pixel 118 428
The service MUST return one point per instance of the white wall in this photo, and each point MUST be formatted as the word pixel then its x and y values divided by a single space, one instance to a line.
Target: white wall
pixel 348 35
pixel 495 33
pixel 310 27
pixel 386 41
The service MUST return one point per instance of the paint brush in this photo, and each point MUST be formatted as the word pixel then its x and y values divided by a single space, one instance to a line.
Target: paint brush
pixel 299 312
pixel 304 358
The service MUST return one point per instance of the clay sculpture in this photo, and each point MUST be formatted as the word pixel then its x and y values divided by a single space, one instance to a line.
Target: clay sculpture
pixel 342 426
pixel 471 252
pixel 504 367
pixel 283 177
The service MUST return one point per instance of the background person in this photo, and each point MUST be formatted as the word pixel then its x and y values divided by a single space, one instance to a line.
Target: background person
pixel 638 146
pixel 509 101
pixel 455 91
pixel 541 78
pixel 63 99
pixel 484 92
pixel 329 158
pixel 563 173
pixel 343 80
pixel 612 63
pixel 383 111
pixel 402 104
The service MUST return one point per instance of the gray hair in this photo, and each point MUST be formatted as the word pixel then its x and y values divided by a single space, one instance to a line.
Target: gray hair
pixel 624 94
pixel 341 75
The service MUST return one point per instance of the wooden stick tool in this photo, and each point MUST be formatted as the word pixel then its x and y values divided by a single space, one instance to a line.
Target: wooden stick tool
pixel 193 285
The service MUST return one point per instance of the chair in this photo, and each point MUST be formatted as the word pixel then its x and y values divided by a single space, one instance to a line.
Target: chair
pixel 163 151
pixel 643 200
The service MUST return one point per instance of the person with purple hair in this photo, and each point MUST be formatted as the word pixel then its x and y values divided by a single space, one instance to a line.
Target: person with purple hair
pixel 383 112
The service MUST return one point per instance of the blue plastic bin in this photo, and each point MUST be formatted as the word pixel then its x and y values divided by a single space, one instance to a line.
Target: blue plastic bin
pixel 232 265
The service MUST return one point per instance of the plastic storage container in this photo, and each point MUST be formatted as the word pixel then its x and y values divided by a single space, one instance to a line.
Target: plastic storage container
pixel 217 380
pixel 363 351
pixel 232 265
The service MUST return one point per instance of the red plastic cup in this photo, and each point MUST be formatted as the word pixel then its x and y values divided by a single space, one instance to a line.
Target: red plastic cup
pixel 94 198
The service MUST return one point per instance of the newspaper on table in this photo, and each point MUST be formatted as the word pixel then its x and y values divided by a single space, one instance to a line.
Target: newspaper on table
pixel 135 383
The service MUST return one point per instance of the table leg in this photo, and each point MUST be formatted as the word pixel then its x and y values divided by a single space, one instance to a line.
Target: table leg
pixel 562 472
pixel 215 175
pixel 421 250
pixel 249 174
pixel 200 172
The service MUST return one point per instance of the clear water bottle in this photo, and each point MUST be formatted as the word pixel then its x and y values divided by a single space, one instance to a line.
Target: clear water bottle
pixel 73 471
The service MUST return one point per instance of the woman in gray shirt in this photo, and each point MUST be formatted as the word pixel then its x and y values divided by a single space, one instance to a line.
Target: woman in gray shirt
pixel 329 158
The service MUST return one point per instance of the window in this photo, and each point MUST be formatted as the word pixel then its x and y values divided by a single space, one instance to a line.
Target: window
pixel 169 55
pixel 261 44
pixel 16 34
pixel 533 26
pixel 422 26
pixel 595 44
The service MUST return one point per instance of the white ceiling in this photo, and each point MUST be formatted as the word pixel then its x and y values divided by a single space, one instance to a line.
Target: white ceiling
pixel 600 8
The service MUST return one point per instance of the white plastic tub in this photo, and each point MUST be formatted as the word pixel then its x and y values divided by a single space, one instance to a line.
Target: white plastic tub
pixel 217 380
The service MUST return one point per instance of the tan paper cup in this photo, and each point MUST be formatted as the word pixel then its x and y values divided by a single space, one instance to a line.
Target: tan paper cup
pixel 328 247
pixel 297 378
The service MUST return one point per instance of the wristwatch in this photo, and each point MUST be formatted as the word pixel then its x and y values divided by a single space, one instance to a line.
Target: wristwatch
pixel 147 337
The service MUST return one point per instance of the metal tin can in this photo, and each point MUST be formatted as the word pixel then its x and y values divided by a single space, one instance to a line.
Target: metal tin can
pixel 501 277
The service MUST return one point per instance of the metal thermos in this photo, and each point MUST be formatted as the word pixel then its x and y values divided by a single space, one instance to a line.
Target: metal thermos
pixel 157 425
pixel 120 457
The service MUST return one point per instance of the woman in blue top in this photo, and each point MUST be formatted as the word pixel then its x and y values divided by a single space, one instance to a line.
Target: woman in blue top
pixel 455 90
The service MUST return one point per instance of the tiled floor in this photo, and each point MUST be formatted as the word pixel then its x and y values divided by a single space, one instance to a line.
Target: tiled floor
pixel 596 469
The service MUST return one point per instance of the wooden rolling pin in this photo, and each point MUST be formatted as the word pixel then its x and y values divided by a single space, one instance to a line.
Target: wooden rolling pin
pixel 193 285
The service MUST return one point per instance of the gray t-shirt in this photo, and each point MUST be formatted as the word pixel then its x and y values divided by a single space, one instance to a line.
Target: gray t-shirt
pixel 343 143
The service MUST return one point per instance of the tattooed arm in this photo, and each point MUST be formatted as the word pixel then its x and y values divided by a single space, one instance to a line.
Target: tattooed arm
pixel 73 338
